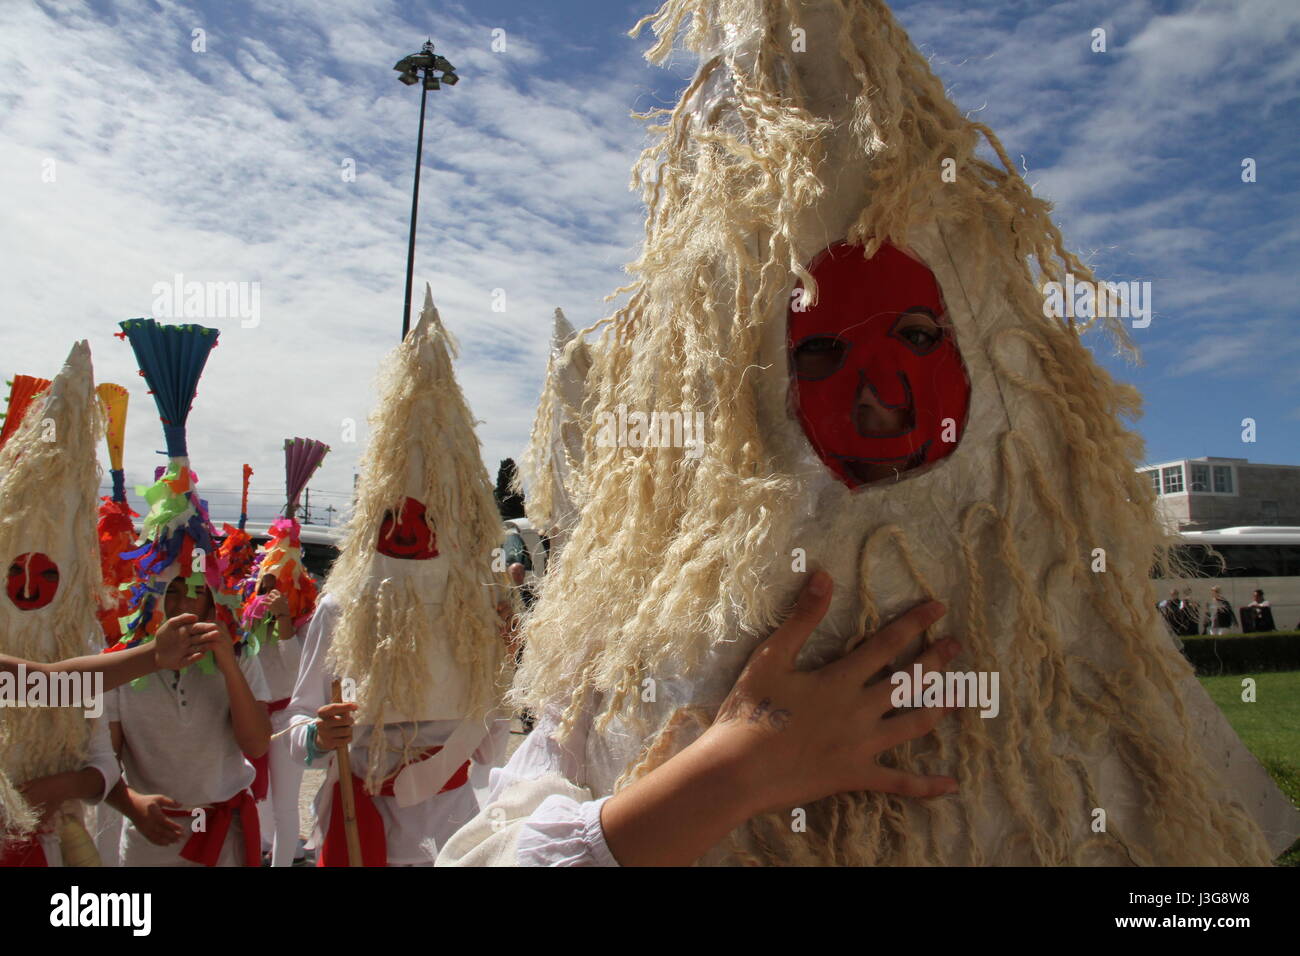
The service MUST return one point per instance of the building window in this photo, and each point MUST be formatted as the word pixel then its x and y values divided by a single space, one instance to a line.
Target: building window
pixel 1173 479
pixel 1155 479
pixel 1223 479
pixel 1200 478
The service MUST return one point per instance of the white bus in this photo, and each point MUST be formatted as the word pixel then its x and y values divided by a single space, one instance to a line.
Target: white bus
pixel 1238 561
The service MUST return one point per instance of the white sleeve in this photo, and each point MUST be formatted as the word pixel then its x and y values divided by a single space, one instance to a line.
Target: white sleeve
pixel 309 690
pixel 112 709
pixel 101 757
pixel 535 814
pixel 251 668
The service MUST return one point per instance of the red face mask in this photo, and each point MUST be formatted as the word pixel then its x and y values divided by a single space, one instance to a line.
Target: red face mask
pixel 410 538
pixel 32 582
pixel 877 380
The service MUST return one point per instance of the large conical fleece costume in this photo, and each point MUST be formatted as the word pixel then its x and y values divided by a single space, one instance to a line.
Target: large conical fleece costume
pixel 178 537
pixel 237 552
pixel 281 556
pixel 116 527
pixel 47 543
pixel 555 446
pixel 418 629
pixel 882 397
pixel 22 390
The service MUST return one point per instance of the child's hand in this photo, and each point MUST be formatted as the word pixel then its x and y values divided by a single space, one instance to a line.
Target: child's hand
pixel 334 725
pixel 223 648
pixel 148 817
pixel 797 736
pixel 277 604
pixel 183 640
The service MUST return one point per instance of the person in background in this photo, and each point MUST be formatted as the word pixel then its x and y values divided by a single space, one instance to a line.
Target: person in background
pixel 1257 616
pixel 1171 609
pixel 1219 616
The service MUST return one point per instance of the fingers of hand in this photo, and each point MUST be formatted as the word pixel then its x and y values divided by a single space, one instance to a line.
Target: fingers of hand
pixel 814 600
pixel 344 713
pixel 887 643
pixel 907 725
pixel 935 658
pixel 891 780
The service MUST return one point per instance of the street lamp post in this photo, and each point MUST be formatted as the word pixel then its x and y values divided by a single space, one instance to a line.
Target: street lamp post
pixel 431 71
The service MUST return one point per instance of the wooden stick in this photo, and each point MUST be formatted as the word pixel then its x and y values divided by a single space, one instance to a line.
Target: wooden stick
pixel 345 791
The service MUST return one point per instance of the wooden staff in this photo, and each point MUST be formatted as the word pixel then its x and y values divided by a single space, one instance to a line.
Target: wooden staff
pixel 345 791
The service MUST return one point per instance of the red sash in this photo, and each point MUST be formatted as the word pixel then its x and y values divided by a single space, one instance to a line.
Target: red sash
pixel 370 825
pixel 262 765
pixel 27 852
pixel 205 846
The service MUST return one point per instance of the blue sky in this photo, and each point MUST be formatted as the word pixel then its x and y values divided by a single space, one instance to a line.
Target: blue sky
pixel 226 164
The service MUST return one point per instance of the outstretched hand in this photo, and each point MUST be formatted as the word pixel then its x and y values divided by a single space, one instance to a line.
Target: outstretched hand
pixel 804 735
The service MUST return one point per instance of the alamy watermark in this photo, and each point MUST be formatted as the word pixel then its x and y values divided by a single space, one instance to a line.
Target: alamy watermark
pixel 623 429
pixel 62 689
pixel 1085 299
pixel 179 299
pixel 921 688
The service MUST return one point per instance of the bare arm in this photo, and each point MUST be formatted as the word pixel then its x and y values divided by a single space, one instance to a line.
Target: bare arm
pixel 181 641
pixel 248 716
pixel 46 794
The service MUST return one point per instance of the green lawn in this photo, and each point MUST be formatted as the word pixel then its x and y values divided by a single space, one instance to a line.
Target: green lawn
pixel 1269 727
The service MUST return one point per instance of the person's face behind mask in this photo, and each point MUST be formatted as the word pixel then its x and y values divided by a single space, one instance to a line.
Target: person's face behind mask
pixel 877 381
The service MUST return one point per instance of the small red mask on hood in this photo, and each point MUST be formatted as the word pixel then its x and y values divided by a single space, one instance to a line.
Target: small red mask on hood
pixel 877 381
pixel 32 582
pixel 411 538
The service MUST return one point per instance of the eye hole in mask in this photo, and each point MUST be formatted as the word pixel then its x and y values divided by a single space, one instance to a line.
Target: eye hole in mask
pixel 877 381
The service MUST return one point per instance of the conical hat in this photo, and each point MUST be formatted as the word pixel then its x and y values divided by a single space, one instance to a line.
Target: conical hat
pixel 22 390
pixel 47 544
pixel 679 565
pixel 555 447
pixel 438 653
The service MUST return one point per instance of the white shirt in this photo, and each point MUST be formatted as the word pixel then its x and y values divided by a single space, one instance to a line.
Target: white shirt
pixel 413 833
pixel 177 738
pixel 280 662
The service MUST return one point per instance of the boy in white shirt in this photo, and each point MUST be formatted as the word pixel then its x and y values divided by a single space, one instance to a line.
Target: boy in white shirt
pixel 182 737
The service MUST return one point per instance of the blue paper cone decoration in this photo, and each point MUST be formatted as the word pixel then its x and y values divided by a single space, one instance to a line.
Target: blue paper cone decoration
pixel 171 358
